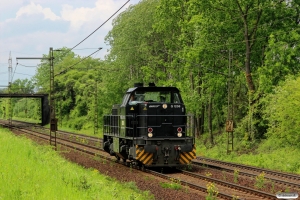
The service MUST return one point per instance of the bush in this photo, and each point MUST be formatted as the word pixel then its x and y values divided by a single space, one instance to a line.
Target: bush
pixel 283 112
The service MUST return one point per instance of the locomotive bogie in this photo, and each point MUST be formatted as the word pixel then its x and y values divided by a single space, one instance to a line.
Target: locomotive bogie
pixel 162 153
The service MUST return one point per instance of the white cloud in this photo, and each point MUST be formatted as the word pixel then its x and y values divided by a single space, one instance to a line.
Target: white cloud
pixel 79 17
pixel 30 27
pixel 33 8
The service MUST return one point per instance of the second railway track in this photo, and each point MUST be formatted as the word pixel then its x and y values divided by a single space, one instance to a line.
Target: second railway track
pixel 287 179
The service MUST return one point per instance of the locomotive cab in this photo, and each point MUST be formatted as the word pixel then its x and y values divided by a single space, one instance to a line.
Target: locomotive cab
pixel 150 128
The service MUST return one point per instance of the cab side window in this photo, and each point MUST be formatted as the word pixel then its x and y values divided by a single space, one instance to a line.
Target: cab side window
pixel 125 99
pixel 176 98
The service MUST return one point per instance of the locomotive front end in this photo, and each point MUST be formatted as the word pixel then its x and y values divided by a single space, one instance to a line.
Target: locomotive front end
pixel 150 128
pixel 165 134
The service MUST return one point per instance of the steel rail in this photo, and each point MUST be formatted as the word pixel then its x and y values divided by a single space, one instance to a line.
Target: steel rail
pixel 248 167
pixel 191 185
pixel 282 182
pixel 231 185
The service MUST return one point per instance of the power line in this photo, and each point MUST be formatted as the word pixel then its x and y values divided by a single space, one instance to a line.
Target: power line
pixel 26 65
pixel 96 29
pixel 100 26
pixel 23 74
pixel 85 48
pixel 14 73
pixel 68 68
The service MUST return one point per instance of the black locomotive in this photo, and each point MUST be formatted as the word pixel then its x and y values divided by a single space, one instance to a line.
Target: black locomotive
pixel 150 128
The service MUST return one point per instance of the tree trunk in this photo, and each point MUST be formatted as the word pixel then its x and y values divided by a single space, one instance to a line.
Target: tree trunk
pixel 197 126
pixel 249 36
pixel 209 119
pixel 247 64
pixel 202 120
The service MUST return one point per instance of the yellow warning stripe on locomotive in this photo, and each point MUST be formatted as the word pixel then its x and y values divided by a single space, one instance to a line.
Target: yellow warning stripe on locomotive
pixel 186 157
pixel 142 156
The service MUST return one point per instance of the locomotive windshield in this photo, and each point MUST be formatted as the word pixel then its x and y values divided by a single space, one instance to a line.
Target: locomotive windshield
pixel 154 96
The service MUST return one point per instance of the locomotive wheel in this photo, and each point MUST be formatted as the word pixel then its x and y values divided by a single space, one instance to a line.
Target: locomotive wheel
pixel 118 158
pixel 136 164
pixel 133 164
pixel 140 166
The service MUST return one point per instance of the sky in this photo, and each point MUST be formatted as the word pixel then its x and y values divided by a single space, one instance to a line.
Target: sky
pixel 28 28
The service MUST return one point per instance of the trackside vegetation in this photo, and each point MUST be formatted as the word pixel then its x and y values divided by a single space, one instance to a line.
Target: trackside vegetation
pixel 268 155
pixel 29 171
pixel 280 148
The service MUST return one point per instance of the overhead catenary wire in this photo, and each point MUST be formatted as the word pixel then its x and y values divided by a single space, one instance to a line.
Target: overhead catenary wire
pixel 24 74
pixel 97 28
pixel 26 65
pixel 84 40
pixel 70 67
pixel 84 49
pixel 12 78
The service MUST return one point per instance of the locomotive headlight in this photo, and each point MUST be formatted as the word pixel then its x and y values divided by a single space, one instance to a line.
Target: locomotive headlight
pixel 150 134
pixel 179 134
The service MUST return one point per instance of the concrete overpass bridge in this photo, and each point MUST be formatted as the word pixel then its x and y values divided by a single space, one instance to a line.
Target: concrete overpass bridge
pixel 45 108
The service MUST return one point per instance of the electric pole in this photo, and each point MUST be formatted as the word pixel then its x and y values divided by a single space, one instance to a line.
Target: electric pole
pixel 9 90
pixel 229 121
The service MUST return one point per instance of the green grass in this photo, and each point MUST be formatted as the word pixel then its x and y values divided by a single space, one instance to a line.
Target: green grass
pixel 26 120
pixel 29 171
pixel 86 130
pixel 89 131
pixel 269 154
pixel 174 186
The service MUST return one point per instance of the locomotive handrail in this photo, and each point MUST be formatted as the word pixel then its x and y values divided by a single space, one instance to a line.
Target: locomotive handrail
pixel 161 115
pixel 115 128
pixel 147 115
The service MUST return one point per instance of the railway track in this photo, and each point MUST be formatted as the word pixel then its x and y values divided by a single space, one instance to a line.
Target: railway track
pixel 224 187
pixel 282 178
pixel 92 146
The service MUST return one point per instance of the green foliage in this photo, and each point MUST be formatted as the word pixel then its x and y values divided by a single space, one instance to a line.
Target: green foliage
pixel 283 112
pixel 260 180
pixel 212 191
pixel 270 154
pixel 172 185
pixel 281 59
pixel 235 175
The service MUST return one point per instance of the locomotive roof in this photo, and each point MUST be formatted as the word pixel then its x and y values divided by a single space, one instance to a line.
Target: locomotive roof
pixel 152 89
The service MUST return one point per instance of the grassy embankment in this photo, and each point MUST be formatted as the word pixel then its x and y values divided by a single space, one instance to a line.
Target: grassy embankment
pixel 88 130
pixel 29 171
pixel 269 153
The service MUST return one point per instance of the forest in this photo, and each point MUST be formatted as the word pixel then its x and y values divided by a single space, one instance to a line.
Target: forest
pixel 189 44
